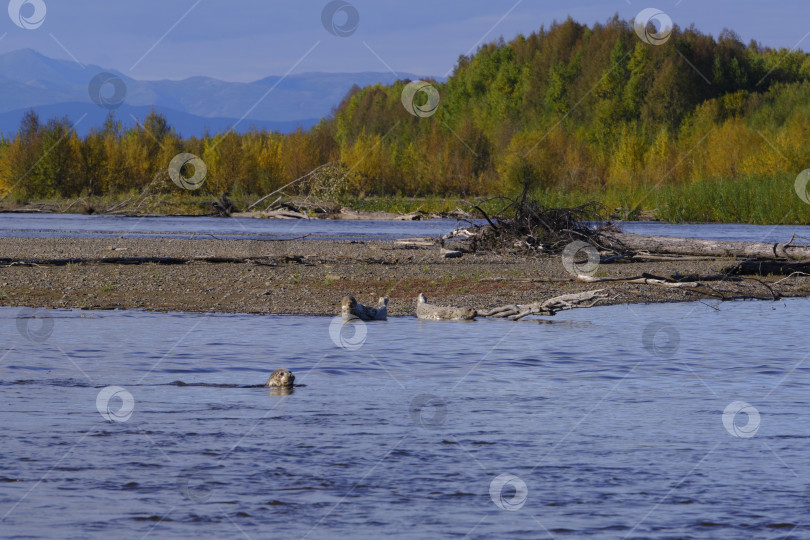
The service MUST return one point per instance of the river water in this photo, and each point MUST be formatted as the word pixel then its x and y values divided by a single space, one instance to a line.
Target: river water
pixel 643 421
pixel 81 226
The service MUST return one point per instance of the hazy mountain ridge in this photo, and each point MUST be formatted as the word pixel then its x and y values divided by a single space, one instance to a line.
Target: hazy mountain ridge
pixel 86 116
pixel 55 87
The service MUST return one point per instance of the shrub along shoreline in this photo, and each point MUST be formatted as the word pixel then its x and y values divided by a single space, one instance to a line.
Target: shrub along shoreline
pixel 753 201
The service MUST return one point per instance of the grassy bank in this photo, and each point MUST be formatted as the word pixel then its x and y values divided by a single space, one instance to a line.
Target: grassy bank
pixel 128 203
pixel 752 200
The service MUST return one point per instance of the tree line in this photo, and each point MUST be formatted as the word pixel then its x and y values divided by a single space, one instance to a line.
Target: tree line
pixel 569 106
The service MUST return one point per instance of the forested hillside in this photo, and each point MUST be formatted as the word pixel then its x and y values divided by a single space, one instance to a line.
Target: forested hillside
pixel 569 107
pixel 583 107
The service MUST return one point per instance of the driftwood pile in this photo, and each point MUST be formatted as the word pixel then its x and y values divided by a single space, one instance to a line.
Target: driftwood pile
pixel 635 244
pixel 311 194
pixel 223 207
pixel 525 225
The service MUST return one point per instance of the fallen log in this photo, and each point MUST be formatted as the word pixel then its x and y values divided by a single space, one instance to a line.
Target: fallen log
pixel 263 261
pixel 451 253
pixel 703 277
pixel 5 261
pixel 552 306
pixel 674 278
pixel 713 248
pixel 413 216
pixel 283 214
pixel 640 280
pixel 525 280
pixel 755 267
pixel 646 257
pixel 416 242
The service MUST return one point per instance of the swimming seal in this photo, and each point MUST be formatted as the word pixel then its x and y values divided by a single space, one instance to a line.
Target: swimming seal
pixel 281 378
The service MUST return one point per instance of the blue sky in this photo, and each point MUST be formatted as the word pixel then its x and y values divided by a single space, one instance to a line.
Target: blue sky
pixel 243 40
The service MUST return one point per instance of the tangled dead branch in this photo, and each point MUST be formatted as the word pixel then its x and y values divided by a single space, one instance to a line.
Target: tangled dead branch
pixel 526 225
pixel 150 196
pixel 318 191
pixel 223 207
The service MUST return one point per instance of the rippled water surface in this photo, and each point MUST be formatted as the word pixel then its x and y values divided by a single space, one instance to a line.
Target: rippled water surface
pixel 81 226
pixel 609 420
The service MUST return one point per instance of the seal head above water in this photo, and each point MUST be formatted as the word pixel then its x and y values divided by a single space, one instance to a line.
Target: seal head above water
pixel 281 378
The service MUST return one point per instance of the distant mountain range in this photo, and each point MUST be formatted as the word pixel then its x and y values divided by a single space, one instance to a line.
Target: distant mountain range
pixel 57 88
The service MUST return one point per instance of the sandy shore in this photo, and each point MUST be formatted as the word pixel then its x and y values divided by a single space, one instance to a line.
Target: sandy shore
pixel 311 277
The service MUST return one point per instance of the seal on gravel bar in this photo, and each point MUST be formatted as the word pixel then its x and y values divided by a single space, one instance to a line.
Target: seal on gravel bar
pixel 351 309
pixel 437 313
